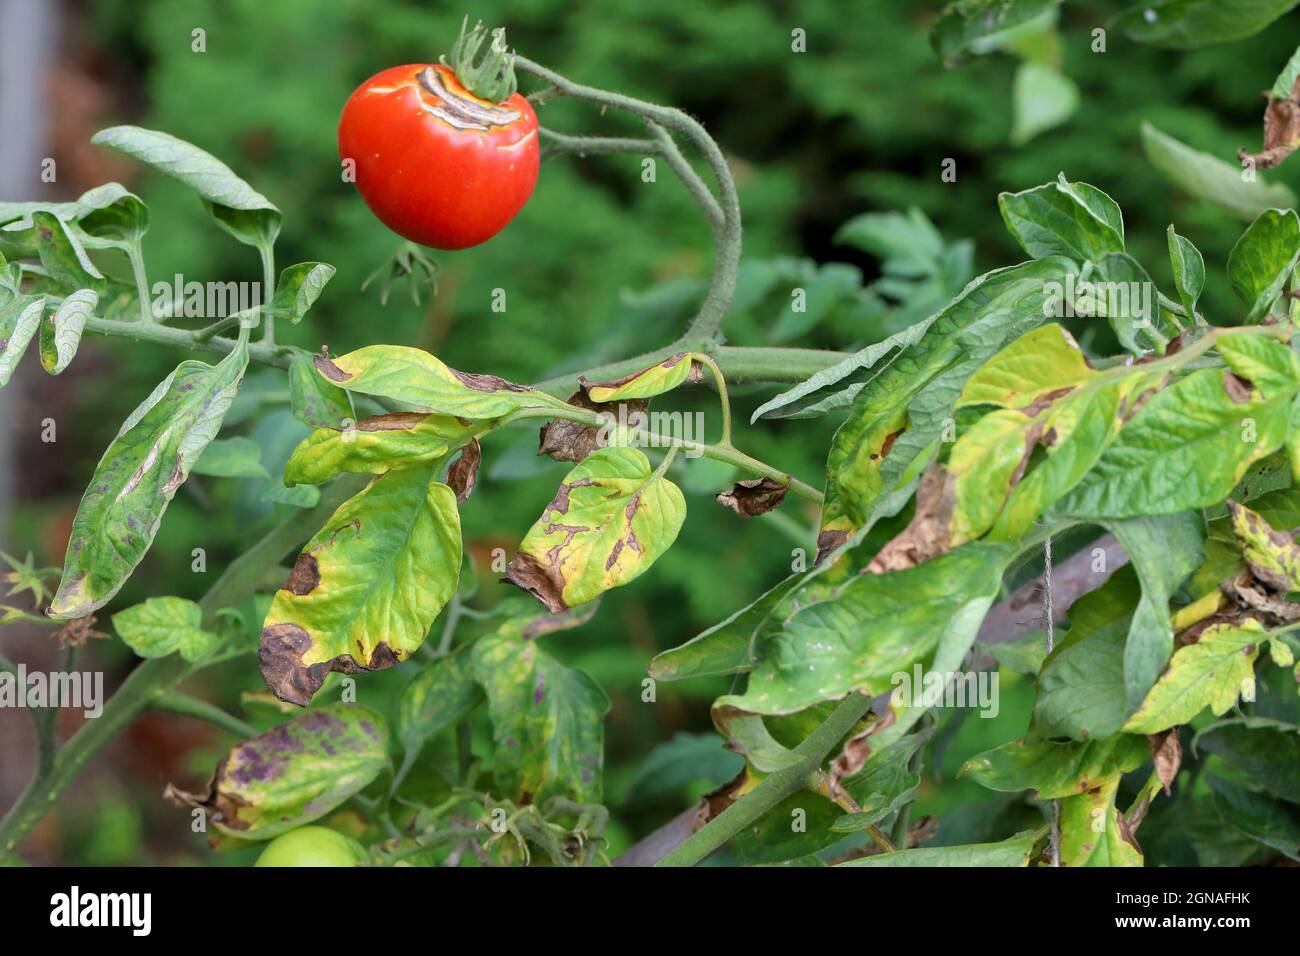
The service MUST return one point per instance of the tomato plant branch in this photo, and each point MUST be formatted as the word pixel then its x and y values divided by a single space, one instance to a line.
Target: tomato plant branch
pixel 773 788
pixel 175 702
pixel 160 674
pixel 721 382
pixel 278 356
pixel 722 288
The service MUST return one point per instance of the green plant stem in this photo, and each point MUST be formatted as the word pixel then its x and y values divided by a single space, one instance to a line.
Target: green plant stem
pixel 669 150
pixel 136 255
pixel 268 293
pixel 721 382
pixel 175 702
pixel 555 144
pixel 184 338
pixel 726 453
pixel 722 288
pixel 773 788
pixel 159 674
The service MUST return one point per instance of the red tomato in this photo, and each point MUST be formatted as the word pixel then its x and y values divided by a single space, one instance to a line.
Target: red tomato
pixel 436 163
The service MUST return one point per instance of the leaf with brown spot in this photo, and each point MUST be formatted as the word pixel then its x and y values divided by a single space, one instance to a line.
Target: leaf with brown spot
pixel 463 473
pixel 565 440
pixel 292 774
pixel 1167 754
pixel 753 496
pixel 1281 130
pixel 365 590
pixel 610 520
pixel 138 476
pixel 1273 556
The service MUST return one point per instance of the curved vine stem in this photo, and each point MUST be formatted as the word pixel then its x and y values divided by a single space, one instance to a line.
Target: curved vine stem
pixel 703 328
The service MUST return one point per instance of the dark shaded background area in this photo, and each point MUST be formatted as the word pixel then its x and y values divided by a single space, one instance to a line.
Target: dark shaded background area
pixel 599 265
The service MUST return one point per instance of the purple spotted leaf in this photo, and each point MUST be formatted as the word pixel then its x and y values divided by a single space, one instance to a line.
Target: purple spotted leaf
pixel 294 773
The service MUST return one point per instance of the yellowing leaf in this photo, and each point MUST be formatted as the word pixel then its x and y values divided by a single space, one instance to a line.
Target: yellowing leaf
pixel 1093 833
pixel 365 590
pixel 1272 555
pixel 609 521
pixel 655 380
pixel 417 378
pixel 1212 673
pixel 375 445
pixel 1040 362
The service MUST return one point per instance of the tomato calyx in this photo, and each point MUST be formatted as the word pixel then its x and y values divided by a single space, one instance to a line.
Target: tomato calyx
pixel 459 109
pixel 492 78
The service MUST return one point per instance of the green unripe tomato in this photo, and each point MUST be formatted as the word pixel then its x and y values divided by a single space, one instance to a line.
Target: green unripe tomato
pixel 309 846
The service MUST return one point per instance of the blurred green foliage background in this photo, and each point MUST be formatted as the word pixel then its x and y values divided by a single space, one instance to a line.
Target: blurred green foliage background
pixel 598 266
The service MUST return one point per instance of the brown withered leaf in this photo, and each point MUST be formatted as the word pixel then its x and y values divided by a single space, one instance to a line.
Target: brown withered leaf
pixel 753 496
pixel 573 441
pixel 463 473
pixel 1281 131
pixel 1252 596
pixel 926 536
pixel 1167 754
pixel 77 631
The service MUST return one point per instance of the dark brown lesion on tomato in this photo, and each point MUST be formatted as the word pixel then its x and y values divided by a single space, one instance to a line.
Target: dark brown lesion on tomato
pixel 325 365
pixel 545 583
pixel 461 112
pixel 487 383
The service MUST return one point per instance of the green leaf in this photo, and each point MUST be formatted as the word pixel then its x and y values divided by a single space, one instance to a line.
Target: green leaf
pixel 1015 851
pixel 138 476
pixel 1080 692
pixel 873 630
pixel 415 377
pixel 1165 550
pixel 655 380
pixel 610 520
pixel 1042 98
pixel 62 255
pixel 113 212
pixel 1207 177
pixel 1092 831
pixel 727 647
pixel 1188 24
pixel 1265 820
pixel 298 289
pixel 238 208
pixel 806 399
pixel 20 317
pixel 365 590
pixel 1055 770
pixel 375 445
pixel 1212 673
pixel 1064 218
pixel 164 625
pixel 1129 300
pixel 884 785
pixel 61 332
pixel 231 458
pixel 1266 752
pixel 1189 271
pixel 547 721
pixel 1263 259
pixel 965 23
pixel 439 696
pixel 314 401
pixel 900 411
pixel 294 773
pixel 1284 85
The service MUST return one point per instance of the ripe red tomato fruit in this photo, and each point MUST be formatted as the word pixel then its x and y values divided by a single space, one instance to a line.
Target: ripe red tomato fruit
pixel 436 163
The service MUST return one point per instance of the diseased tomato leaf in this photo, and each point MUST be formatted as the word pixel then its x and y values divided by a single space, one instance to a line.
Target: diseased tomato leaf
pixel 365 590
pixel 416 378
pixel 294 773
pixel 547 721
pixel 610 520
pixel 20 317
pixel 376 445
pixel 1054 770
pixel 138 476
pixel 658 378
pixel 60 333
pixel 1093 833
